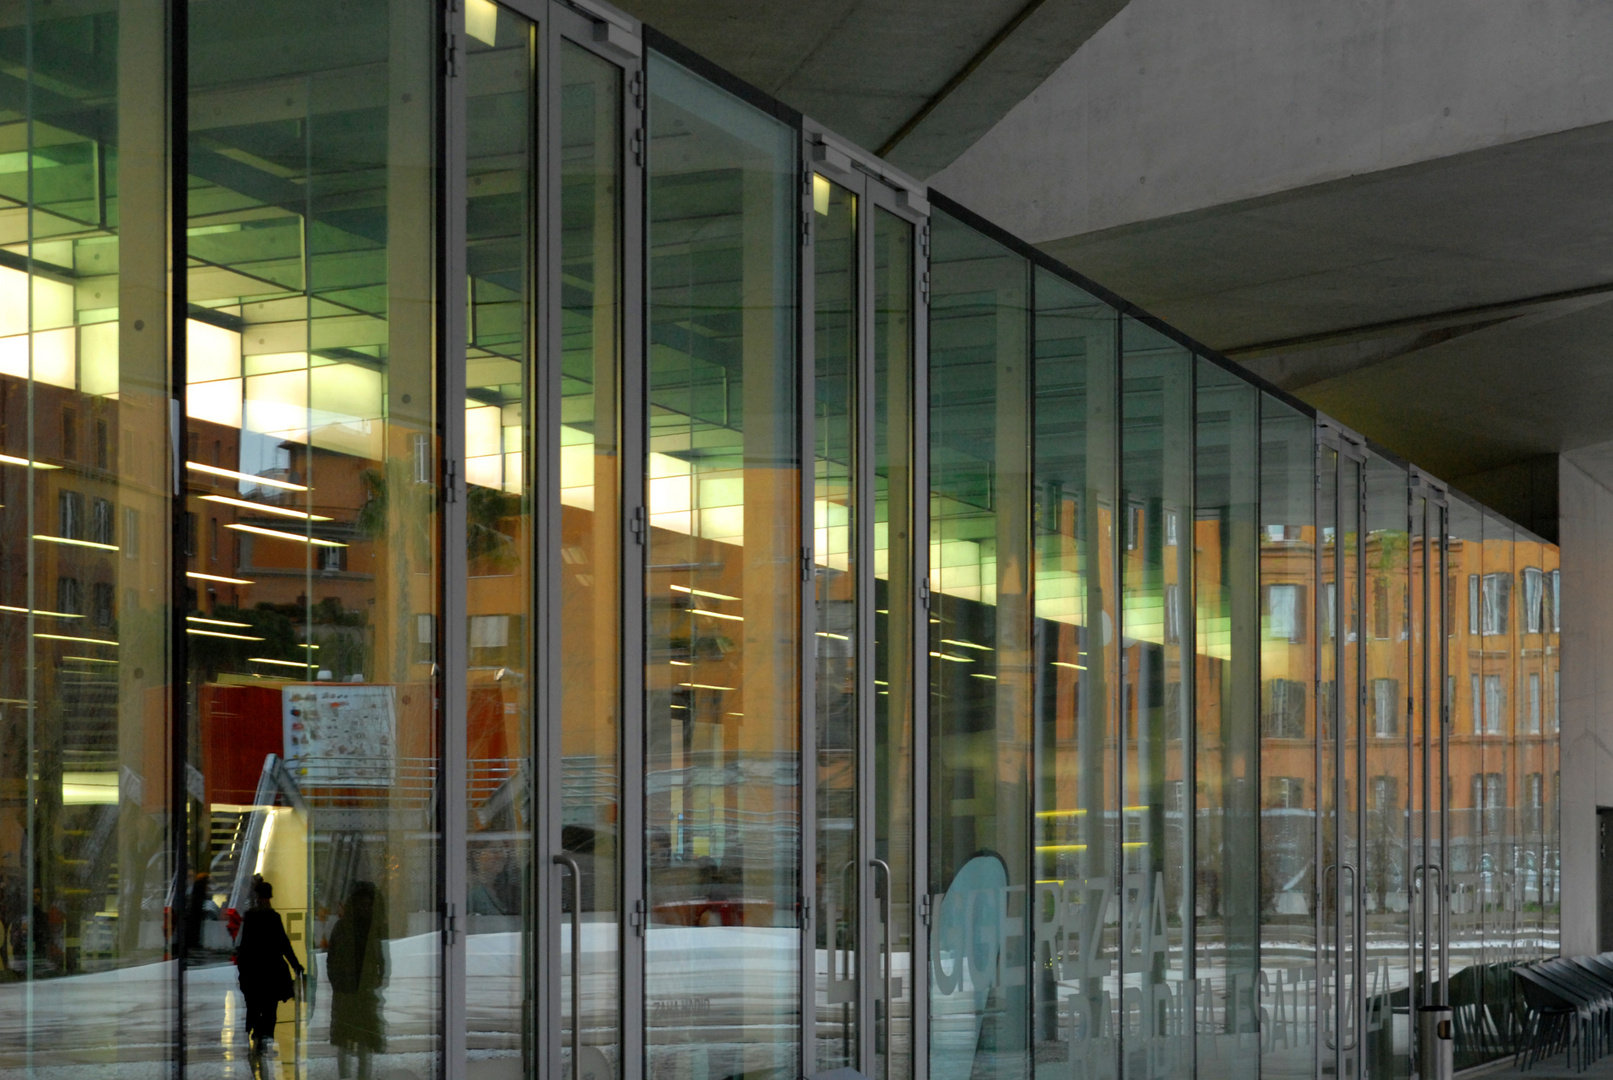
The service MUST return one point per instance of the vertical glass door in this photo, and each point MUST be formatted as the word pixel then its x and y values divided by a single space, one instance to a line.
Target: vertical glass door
pixel 859 959
pixel 544 524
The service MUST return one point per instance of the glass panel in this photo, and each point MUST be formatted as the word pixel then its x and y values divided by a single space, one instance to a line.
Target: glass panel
pixel 588 448
pixel 85 521
pixel 722 718
pixel 1288 640
pixel 1465 561
pixel 979 655
pixel 835 548
pixel 501 150
pixel 1550 858
pixel 1077 989
pixel 312 477
pixel 1226 566
pixel 1529 777
pixel 1157 535
pixel 1351 753
pixel 894 603
pixel 1385 856
pixel 1500 621
pixel 1327 752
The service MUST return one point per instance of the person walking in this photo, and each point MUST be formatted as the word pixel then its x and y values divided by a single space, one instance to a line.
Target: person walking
pixel 356 965
pixel 261 954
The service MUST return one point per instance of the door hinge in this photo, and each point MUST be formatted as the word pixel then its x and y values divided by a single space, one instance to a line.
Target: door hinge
pixel 806 207
pixel 808 568
pixel 924 287
pixel 450 925
pixel 636 918
pixel 450 480
pixel 924 240
pixel 451 49
pixel 924 909
pixel 924 593
pixel 806 912
pixel 635 87
pixel 636 523
pixel 638 146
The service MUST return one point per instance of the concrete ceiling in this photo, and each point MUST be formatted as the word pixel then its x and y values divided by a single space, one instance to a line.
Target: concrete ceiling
pixel 1459 311
pixel 917 80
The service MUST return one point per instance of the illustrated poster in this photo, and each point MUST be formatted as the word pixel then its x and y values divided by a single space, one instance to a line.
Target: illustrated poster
pixel 340 735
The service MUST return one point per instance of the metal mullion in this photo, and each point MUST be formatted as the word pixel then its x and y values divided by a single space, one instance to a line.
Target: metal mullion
pixel 1358 905
pixel 806 867
pixel 918 643
pixel 1187 670
pixel 869 911
pixel 1115 722
pixel 1318 590
pixel 1444 755
pixel 546 514
pixel 453 649
pixel 633 455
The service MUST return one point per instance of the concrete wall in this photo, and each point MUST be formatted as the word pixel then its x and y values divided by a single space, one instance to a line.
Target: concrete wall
pixel 1586 531
pixel 1178 105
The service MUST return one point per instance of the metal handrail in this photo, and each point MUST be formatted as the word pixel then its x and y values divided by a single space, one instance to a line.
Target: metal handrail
pixel 570 864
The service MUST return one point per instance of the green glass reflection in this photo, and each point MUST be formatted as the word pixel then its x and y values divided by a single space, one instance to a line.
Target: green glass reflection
pixel 1077 995
pixel 312 482
pixel 723 588
pixel 980 654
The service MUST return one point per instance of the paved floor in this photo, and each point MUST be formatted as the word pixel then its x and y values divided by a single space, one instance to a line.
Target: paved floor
pixel 1553 1068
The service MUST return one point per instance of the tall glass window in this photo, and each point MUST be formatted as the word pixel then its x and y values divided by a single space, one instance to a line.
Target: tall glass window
pixel 1464 857
pixel 1075 963
pixel 1227 595
pixel 980 664
pixel 314 623
pixel 1289 871
pixel 723 586
pixel 1157 535
pixel 86 665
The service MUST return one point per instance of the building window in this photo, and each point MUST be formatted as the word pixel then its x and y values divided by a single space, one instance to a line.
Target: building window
pixel 1495 704
pixel 1385 707
pixel 1534 791
pixel 1476 699
pixel 1532 721
pixel 1173 612
pixel 423 472
pixel 1134 527
pixel 212 538
pixel 332 560
pixel 190 535
pixel 1170 528
pixel 69 600
pixel 1284 613
pixel 1330 610
pixel 1534 600
pixel 70 515
pixel 101 600
pixel 1385 794
pixel 1285 793
pixel 102 522
pixel 1497 600
pixel 1380 609
pixel 131 533
pixel 1472 603
pixel 1556 701
pixel 1284 709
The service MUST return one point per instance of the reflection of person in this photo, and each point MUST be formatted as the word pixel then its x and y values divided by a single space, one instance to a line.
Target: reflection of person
pixel 261 955
pixel 357 967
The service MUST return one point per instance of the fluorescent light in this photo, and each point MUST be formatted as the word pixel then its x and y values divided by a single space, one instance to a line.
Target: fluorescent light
pixel 7 459
pixel 837 637
pixel 219 577
pixel 982 675
pixel 231 474
pixel 282 663
pixel 214 622
pixel 75 543
pixel 680 663
pixel 37 611
pixel 314 540
pixel 264 508
pixel 703 592
pixel 1072 667
pixel 954 659
pixel 217 633
pixel 716 614
pixel 90 659
pixel 967 644
pixel 704 686
pixel 87 640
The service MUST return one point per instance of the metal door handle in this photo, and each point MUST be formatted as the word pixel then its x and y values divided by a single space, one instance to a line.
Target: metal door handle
pixel 570 865
pixel 1355 959
pixel 882 867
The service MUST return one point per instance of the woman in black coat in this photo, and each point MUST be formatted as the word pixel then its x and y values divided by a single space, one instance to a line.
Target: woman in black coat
pixel 261 954
pixel 356 965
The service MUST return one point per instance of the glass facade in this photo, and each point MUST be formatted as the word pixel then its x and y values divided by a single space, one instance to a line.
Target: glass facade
pixel 521 556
